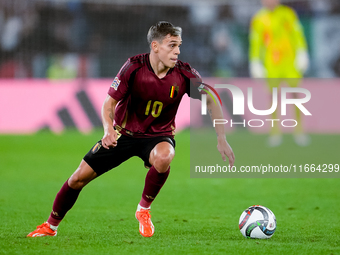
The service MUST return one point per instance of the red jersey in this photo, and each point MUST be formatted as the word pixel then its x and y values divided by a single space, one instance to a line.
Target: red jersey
pixel 147 104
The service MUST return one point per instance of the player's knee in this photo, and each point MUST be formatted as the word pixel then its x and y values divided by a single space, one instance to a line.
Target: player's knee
pixel 162 161
pixel 161 156
pixel 76 183
pixel 82 176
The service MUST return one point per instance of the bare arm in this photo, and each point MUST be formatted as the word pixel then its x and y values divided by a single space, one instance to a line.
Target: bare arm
pixel 108 112
pixel 223 146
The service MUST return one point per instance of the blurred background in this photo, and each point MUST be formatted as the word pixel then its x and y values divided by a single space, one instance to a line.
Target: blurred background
pixel 72 49
pixel 58 59
pixel 93 38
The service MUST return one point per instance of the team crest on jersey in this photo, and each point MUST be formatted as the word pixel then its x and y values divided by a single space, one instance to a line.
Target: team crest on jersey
pixel 174 91
pixel 96 148
pixel 115 83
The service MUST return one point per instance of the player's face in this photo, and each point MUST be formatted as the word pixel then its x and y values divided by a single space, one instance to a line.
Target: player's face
pixel 169 49
pixel 270 4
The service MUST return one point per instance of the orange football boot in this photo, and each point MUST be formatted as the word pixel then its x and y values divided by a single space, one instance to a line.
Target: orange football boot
pixel 43 230
pixel 146 227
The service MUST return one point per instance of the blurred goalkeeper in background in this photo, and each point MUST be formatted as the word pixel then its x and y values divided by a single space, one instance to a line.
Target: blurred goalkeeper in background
pixel 278 52
pixel 138 117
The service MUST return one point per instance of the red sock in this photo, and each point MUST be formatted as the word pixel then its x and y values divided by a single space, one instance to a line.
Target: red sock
pixel 154 181
pixel 63 202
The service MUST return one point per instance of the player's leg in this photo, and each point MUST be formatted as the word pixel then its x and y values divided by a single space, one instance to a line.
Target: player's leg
pixel 160 158
pixel 300 137
pixel 69 192
pixel 275 136
pixel 65 199
pixel 96 162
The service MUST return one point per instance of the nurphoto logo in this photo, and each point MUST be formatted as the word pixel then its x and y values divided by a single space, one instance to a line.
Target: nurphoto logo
pixel 239 104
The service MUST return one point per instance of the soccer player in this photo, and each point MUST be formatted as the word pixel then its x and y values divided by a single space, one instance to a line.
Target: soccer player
pixel 278 52
pixel 138 118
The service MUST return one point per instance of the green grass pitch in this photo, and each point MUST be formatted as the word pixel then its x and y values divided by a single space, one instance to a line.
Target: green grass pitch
pixel 191 215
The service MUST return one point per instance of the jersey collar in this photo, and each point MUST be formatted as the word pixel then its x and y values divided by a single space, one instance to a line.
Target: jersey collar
pixel 150 68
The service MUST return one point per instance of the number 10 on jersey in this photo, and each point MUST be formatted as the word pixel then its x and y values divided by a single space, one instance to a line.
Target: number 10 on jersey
pixel 157 107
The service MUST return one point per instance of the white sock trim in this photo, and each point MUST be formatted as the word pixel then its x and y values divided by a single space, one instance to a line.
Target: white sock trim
pixel 141 207
pixel 54 228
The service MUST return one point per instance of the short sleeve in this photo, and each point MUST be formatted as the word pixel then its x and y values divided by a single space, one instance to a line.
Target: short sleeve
pixel 119 86
pixel 194 88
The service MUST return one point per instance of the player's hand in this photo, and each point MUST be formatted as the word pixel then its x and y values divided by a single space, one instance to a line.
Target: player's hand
pixel 225 150
pixel 302 61
pixel 257 70
pixel 109 139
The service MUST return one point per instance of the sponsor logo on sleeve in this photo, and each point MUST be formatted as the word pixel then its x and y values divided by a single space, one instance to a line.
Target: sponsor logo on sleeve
pixel 115 83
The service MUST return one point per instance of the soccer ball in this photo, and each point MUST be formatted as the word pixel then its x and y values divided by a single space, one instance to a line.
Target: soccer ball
pixel 257 222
